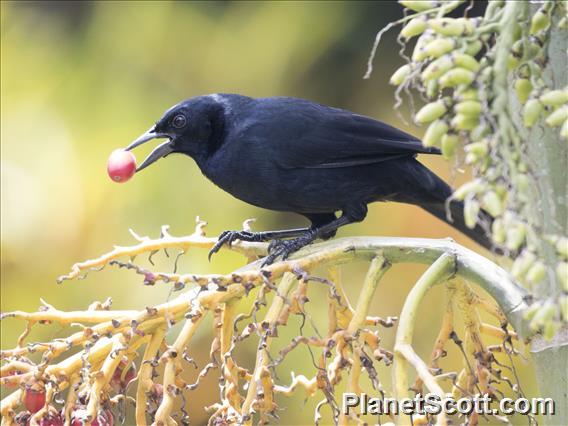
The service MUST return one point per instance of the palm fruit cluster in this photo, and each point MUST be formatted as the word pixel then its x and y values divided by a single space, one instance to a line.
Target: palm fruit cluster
pixel 468 70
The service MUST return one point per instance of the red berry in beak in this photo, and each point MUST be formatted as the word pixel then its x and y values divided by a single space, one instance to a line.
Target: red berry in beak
pixel 121 165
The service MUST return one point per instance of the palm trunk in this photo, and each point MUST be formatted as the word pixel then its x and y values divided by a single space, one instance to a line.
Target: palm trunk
pixel 548 156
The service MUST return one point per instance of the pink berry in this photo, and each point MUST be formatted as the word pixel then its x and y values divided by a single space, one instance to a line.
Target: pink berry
pixel 34 399
pixel 121 165
pixel 116 382
pixel 158 391
pixel 104 418
pixel 51 420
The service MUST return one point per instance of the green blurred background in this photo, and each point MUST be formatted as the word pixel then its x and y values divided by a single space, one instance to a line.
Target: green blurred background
pixel 80 79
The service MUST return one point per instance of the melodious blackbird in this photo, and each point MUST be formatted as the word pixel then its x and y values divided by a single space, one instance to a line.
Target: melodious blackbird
pixel 294 155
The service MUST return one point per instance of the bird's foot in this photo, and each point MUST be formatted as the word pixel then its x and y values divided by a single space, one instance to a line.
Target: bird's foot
pixel 227 237
pixel 284 248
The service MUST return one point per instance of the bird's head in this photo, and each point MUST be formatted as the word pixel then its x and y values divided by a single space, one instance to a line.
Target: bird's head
pixel 192 127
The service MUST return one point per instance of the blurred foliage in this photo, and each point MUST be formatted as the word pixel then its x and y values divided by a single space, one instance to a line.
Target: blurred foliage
pixel 80 79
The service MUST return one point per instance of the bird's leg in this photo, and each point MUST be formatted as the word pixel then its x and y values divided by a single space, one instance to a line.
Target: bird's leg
pixel 285 248
pixel 227 237
pixel 350 214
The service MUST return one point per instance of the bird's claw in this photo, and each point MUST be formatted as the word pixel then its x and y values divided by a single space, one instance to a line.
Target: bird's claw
pixel 227 237
pixel 284 248
pixel 276 248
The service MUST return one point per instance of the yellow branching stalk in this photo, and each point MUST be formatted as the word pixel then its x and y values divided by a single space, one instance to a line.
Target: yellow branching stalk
pixel 229 368
pixel 109 340
pixel 491 330
pixel 173 366
pixel 262 359
pixel 149 245
pixel 102 377
pixel 145 382
pixel 377 269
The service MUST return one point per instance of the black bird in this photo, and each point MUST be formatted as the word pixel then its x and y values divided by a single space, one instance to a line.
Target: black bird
pixel 293 155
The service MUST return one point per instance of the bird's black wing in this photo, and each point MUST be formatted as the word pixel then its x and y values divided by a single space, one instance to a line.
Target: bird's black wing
pixel 324 137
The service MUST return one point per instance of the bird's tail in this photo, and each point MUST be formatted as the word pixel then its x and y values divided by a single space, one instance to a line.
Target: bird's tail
pixel 434 196
pixel 453 214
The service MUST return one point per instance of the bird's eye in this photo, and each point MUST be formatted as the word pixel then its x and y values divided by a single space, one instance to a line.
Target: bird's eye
pixel 179 121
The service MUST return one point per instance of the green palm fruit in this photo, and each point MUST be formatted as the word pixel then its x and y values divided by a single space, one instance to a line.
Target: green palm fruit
pixel 456 77
pixel 432 89
pixel 400 75
pixel 435 48
pixel 478 149
pixel 557 117
pixel 474 48
pixel 414 27
pixel 450 142
pixel 540 21
pixel 531 112
pixel 431 112
pixel 492 203
pixel 522 264
pixel 544 315
pixel 468 108
pixel 536 273
pixel 513 61
pixel 523 88
pixel 550 330
pixel 471 212
pixel 466 94
pixel 419 5
pixel 498 231
pixel 436 68
pixel 452 27
pixel 464 122
pixel 418 53
pixel 434 133
pixel 465 61
pixel 554 97
pixel 516 235
pixel 468 188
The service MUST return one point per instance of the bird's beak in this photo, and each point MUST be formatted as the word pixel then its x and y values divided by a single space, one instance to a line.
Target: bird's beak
pixel 160 151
